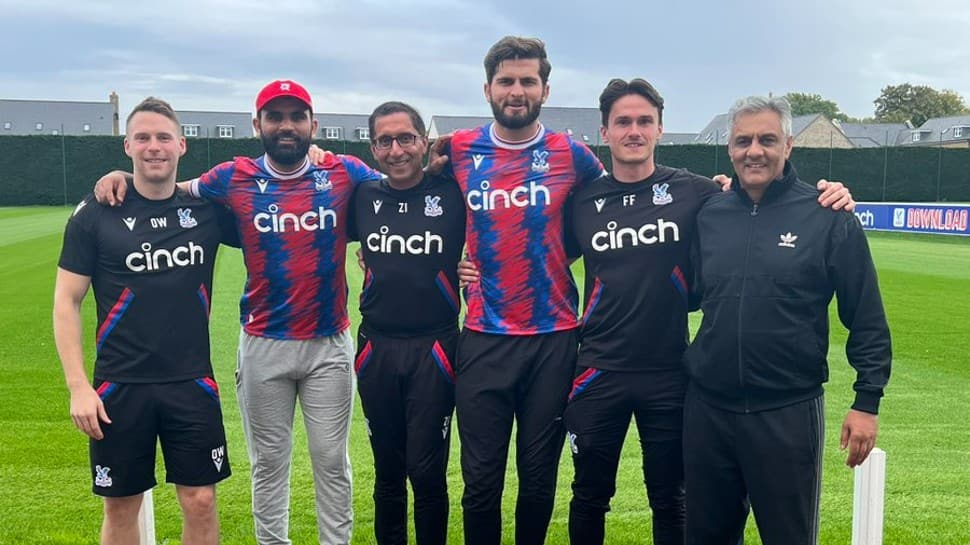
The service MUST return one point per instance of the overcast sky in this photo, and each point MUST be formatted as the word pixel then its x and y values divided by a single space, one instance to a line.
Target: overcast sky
pixel 354 54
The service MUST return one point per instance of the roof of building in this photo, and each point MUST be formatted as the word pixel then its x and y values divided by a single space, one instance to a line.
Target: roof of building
pixel 581 123
pixel 874 135
pixel 716 130
pixel 678 138
pixel 446 124
pixel 211 124
pixel 941 129
pixel 56 117
pixel 349 126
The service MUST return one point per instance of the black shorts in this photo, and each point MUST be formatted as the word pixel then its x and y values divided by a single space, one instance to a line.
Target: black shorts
pixel 185 416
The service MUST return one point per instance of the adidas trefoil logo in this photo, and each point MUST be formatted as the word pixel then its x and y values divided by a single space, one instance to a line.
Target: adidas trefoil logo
pixel 788 240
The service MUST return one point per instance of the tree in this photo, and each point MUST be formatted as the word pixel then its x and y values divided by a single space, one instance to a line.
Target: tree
pixel 810 103
pixel 916 103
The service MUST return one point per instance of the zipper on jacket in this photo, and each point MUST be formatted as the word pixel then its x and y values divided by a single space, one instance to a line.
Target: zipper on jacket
pixel 744 283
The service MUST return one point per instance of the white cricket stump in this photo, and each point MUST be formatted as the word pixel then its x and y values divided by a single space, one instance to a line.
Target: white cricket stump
pixel 869 498
pixel 146 520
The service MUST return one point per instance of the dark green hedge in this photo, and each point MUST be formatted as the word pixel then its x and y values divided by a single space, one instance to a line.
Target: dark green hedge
pixel 61 169
pixel 874 174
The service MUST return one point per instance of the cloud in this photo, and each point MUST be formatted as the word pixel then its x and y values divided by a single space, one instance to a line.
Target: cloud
pixel 215 54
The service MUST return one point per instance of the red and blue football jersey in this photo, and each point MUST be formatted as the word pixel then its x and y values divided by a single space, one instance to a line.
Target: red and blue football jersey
pixel 514 196
pixel 294 241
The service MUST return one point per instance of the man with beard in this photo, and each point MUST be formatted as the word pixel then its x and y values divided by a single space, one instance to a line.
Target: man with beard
pixel 517 352
pixel 295 341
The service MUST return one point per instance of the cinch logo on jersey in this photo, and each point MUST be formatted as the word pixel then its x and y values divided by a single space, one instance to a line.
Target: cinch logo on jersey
pixel 518 197
pixel 275 220
pixel 648 233
pixel 422 244
pixel 154 260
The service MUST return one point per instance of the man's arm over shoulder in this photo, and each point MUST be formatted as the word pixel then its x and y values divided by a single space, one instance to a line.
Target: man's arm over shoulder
pixel 570 238
pixel 834 195
pixel 695 286
pixel 705 187
pixel 228 227
pixel 110 189
pixel 214 184
pixel 358 170
pixel 439 156
pixel 353 233
pixel 587 165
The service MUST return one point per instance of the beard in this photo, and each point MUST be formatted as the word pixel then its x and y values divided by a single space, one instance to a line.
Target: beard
pixel 516 121
pixel 286 154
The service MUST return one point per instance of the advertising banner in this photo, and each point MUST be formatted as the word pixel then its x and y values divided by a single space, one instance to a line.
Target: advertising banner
pixel 914 217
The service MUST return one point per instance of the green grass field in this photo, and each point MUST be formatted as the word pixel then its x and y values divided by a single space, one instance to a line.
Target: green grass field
pixel 45 488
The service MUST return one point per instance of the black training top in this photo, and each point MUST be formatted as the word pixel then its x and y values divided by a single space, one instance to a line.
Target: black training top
pixel 767 273
pixel 412 241
pixel 635 241
pixel 151 265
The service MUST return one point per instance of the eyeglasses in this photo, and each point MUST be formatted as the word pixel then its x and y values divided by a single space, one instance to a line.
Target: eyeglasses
pixel 403 140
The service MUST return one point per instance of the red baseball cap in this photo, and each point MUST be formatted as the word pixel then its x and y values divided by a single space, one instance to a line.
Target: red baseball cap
pixel 283 88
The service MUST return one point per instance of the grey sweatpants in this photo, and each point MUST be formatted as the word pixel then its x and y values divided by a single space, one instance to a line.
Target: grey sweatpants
pixel 272 374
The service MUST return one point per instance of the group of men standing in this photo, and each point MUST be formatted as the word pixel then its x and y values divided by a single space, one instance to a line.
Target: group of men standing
pixel 523 201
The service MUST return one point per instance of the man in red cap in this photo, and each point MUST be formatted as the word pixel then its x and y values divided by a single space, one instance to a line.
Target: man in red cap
pixel 295 342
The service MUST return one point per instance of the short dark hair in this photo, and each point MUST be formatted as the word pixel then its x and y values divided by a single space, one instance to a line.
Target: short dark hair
pixel 618 88
pixel 517 47
pixel 153 105
pixel 395 107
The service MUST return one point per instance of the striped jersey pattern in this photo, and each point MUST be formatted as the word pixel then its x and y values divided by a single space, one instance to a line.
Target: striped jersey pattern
pixel 293 233
pixel 514 197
